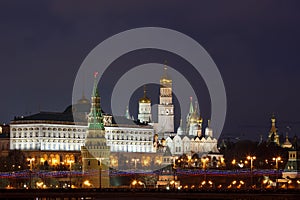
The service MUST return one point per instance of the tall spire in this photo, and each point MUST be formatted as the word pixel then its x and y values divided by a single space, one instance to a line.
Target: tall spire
pixel 95 88
pixel 196 108
pixel 165 74
pixel 127 115
pixel 95 118
pixel 144 91
pixel 191 105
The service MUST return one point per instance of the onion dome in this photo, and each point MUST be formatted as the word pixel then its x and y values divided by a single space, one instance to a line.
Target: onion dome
pixel 83 100
pixel 199 120
pixel 145 99
pixel 194 118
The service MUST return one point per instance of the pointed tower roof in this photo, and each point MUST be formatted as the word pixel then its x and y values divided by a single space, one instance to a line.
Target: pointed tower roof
pixel 95 88
pixel 195 116
pixel 95 118
pixel 127 115
pixel 191 110
pixel 165 78
pixel 273 127
pixel 180 128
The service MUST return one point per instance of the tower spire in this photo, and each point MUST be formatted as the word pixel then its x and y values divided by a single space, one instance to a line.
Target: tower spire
pixel 95 88
pixel 196 108
pixel 127 115
pixel 95 118
pixel 191 105
pixel 144 91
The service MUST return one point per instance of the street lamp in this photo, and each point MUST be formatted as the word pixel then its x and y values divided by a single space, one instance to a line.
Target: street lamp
pixel 135 160
pixel 70 162
pixel 204 161
pixel 30 170
pixel 276 161
pixel 251 158
pixel 100 171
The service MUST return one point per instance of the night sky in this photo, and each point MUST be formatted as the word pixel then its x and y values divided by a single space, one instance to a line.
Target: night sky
pixel 255 45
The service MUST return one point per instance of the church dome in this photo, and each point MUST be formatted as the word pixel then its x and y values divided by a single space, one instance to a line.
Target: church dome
pixel 83 100
pixel 144 100
pixel 194 118
pixel 199 120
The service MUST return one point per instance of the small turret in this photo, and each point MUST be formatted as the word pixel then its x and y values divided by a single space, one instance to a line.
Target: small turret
pixel 180 128
pixel 208 130
pixel 127 114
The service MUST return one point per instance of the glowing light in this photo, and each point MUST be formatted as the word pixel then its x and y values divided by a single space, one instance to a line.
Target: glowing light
pixel 87 183
pixel 134 182
pixel 233 162
pixel 39 184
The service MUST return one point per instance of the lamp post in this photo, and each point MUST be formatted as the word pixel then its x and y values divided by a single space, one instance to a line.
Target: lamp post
pixel 251 158
pixel 276 165
pixel 135 160
pixel 30 170
pixel 100 171
pixel 204 162
pixel 174 169
pixel 70 162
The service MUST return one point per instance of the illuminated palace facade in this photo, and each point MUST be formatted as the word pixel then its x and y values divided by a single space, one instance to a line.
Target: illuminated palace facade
pixel 56 138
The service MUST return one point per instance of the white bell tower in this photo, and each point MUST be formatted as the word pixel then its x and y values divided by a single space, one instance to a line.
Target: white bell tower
pixel 145 109
pixel 165 107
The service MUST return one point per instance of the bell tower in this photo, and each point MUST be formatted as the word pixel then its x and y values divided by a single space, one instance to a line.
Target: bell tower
pixel 165 107
pixel 95 153
pixel 273 135
pixel 144 109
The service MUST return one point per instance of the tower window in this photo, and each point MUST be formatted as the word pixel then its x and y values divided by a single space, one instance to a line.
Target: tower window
pixel 89 163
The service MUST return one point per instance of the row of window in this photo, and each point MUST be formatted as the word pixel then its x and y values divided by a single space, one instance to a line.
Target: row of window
pixel 47 134
pixel 128 137
pixel 124 148
pixel 49 129
pixel 129 132
pixel 128 143
pixel 53 146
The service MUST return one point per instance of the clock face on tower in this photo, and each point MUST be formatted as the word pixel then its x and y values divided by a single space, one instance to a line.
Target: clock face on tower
pixel 167 111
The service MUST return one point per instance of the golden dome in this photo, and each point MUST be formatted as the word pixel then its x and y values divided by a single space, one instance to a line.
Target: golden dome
pixel 164 78
pixel 145 99
pixel 200 120
pixel 83 100
pixel 194 117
